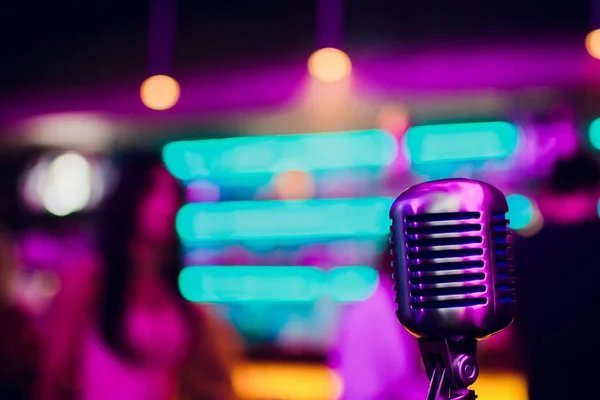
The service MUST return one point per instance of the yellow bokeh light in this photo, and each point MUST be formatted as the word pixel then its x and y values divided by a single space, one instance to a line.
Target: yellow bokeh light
pixel 160 92
pixel 592 43
pixel 329 65
pixel 255 381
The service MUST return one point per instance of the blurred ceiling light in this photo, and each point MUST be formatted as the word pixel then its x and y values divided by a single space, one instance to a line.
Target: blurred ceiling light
pixel 592 43
pixel 160 92
pixel 86 131
pixel 329 65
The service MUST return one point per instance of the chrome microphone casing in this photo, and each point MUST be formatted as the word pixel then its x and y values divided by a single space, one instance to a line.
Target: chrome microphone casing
pixel 452 258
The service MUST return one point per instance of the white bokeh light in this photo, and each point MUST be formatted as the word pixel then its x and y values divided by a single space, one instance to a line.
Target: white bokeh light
pixel 67 184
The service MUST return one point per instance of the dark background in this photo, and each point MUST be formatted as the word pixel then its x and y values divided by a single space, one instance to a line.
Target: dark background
pixel 51 44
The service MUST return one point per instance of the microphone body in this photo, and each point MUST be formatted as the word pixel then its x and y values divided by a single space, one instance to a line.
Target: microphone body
pixel 453 271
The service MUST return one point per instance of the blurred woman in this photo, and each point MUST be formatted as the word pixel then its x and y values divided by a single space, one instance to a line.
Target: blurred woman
pixel 374 355
pixel 121 329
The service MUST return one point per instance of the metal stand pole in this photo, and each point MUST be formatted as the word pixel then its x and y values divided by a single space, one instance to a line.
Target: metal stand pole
pixel 451 368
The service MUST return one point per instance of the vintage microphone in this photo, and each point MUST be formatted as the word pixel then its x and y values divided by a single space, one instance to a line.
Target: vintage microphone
pixel 454 276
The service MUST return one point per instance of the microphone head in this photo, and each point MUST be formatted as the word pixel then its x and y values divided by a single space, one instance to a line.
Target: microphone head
pixel 452 259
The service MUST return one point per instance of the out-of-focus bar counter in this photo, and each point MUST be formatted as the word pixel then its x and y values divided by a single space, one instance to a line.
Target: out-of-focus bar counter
pixel 268 381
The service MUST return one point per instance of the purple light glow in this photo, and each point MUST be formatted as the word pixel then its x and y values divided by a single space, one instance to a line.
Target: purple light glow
pixel 513 66
pixel 210 94
pixel 504 67
pixel 374 355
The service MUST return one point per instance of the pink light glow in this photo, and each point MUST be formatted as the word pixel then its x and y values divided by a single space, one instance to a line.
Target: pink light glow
pixel 506 67
pixel 374 355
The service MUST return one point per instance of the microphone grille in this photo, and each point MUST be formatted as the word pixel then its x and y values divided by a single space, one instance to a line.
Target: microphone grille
pixel 444 257
pixel 452 259
pixel 505 269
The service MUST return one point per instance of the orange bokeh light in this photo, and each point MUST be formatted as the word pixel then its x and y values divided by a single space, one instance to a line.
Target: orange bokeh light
pixel 329 65
pixel 592 43
pixel 160 92
pixel 294 185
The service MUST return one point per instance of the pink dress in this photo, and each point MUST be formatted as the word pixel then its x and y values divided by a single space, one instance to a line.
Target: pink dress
pixel 160 335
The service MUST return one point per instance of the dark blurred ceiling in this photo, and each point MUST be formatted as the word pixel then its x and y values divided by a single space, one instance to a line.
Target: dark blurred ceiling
pixel 72 43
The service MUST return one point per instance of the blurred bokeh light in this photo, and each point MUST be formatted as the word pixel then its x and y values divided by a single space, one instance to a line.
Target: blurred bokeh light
pixel 592 43
pixel 65 183
pixel 329 65
pixel 520 211
pixel 594 133
pixel 160 92
pixel 294 185
pixel 67 187
pixel 61 185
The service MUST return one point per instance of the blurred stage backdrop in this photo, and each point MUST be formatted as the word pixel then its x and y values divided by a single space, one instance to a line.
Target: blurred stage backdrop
pixel 290 168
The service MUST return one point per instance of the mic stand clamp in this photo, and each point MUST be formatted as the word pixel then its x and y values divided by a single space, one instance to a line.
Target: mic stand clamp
pixel 451 367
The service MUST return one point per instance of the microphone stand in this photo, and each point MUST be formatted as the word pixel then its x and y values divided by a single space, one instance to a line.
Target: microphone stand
pixel 451 367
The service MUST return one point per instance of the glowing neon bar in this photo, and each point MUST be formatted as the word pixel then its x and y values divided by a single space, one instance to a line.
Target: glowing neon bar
pixel 594 133
pixel 274 219
pixel 215 158
pixel 214 284
pixel 461 142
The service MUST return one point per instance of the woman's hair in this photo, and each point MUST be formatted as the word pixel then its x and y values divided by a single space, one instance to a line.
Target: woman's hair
pixel 117 229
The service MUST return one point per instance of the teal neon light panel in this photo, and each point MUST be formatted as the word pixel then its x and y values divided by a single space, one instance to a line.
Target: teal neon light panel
pixel 461 142
pixel 274 219
pixel 217 284
pixel 223 158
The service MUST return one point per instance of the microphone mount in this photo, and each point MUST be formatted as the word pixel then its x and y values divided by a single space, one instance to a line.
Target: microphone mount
pixel 451 367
